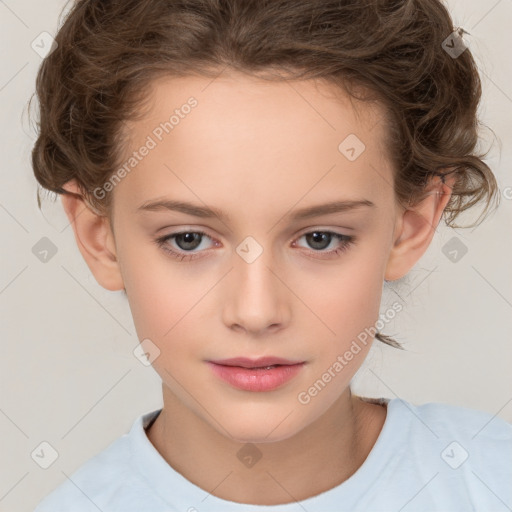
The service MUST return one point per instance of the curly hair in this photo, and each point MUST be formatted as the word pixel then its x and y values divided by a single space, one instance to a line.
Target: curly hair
pixel 109 52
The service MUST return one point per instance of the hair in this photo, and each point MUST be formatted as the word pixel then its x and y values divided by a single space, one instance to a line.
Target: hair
pixel 109 52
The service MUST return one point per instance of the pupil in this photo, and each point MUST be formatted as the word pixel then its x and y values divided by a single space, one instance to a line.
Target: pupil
pixel 318 237
pixel 190 239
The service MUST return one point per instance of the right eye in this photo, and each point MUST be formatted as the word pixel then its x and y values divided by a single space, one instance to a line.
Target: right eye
pixel 187 241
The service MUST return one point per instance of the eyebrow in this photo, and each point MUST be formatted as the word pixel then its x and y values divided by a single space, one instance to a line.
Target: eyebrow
pixel 210 212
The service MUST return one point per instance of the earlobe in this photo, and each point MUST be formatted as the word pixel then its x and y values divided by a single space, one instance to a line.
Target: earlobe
pixel 416 227
pixel 94 238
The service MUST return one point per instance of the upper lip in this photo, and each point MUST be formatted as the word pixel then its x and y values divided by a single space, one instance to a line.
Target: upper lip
pixel 259 362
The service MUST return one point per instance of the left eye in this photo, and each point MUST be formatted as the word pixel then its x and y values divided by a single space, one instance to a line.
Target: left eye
pixel 188 241
pixel 317 239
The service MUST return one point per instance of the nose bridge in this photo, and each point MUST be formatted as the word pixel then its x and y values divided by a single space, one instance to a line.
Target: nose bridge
pixel 253 275
pixel 256 296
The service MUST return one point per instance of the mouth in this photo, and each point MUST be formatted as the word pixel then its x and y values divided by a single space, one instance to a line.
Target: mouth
pixel 258 375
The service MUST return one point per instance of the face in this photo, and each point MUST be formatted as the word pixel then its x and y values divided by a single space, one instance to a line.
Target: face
pixel 262 277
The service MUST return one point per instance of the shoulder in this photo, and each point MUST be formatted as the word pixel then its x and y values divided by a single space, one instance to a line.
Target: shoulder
pixel 447 421
pixel 469 444
pixel 106 481
pixel 92 483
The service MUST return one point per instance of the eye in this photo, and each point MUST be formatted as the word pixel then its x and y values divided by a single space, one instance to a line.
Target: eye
pixel 320 240
pixel 188 241
pixel 185 240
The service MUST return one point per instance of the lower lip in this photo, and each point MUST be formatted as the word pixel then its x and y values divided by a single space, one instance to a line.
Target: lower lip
pixel 250 379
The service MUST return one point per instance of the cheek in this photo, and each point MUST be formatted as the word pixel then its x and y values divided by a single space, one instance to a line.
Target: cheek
pixel 347 299
pixel 160 293
pixel 163 303
pixel 349 306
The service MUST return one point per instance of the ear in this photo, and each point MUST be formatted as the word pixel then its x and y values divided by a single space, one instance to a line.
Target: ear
pixel 415 228
pixel 94 238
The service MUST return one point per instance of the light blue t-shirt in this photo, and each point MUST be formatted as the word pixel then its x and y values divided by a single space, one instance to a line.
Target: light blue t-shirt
pixel 427 458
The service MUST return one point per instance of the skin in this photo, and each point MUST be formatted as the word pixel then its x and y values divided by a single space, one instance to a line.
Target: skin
pixel 258 151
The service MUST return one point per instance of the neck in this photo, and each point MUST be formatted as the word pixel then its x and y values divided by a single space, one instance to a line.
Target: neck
pixel 319 457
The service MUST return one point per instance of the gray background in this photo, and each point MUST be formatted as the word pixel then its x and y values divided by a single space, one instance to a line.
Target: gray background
pixel 68 375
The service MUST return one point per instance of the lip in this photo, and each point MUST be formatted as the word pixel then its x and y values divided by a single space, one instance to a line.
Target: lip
pixel 252 375
pixel 259 362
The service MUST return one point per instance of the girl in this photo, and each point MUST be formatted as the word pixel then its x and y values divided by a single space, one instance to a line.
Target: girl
pixel 250 173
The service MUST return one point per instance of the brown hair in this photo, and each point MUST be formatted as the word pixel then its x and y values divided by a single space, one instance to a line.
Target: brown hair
pixel 110 51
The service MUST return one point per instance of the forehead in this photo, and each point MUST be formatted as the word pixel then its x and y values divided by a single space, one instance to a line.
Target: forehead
pixel 318 106
pixel 245 135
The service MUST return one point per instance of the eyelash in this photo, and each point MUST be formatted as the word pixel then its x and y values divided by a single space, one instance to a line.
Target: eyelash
pixel 346 242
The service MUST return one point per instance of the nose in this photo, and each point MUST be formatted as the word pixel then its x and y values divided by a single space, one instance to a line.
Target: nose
pixel 256 297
